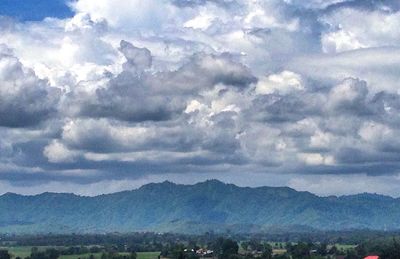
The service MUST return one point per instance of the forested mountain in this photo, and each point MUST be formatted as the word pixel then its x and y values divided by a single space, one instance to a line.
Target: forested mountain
pixel 208 206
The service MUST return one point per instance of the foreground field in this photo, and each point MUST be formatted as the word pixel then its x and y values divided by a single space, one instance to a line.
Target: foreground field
pixel 140 255
pixel 148 255
pixel 25 251
pixel 19 251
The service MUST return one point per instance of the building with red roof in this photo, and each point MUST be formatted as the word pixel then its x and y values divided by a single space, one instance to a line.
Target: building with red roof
pixel 372 257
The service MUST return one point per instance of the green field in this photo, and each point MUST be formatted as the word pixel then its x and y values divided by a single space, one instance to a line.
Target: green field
pixel 25 251
pixel 148 255
pixel 140 255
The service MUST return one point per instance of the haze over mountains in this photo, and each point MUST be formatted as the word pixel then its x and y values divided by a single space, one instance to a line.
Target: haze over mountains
pixel 207 206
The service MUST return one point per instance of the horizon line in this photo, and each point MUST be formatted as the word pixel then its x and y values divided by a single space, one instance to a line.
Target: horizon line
pixel 193 184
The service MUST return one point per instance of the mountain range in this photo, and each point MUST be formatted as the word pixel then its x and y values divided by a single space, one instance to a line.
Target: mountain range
pixel 207 206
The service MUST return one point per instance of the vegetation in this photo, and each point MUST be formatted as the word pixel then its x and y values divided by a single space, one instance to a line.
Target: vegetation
pixel 195 209
pixel 4 254
pixel 174 246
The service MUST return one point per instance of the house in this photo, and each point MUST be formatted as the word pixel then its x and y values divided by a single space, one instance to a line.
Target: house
pixel 372 257
pixel 205 252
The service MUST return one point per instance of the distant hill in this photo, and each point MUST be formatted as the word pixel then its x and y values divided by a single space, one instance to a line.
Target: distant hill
pixel 208 206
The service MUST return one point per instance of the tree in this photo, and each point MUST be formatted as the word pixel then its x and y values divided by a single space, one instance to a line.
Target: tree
pixel 333 250
pixel 392 251
pixel 225 248
pixel 256 245
pixel 229 247
pixel 361 251
pixel 4 254
pixel 94 249
pixel 245 245
pixel 267 251
pixel 300 251
pixel 52 253
pixel 322 249
pixel 351 254
pixel 289 247
pixel 282 256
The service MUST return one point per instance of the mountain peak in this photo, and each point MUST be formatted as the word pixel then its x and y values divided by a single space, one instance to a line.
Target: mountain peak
pixel 368 196
pixel 169 184
pixel 212 182
pixel 161 185
pixel 9 194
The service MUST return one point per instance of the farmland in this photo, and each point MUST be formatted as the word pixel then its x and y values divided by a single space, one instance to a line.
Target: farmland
pixel 25 251
pixel 140 255
pixel 247 249
pixel 148 245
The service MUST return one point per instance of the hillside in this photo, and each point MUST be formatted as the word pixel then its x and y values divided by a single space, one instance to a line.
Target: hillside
pixel 207 206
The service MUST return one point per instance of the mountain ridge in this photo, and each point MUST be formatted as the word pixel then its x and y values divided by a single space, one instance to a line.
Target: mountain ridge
pixel 207 206
pixel 199 183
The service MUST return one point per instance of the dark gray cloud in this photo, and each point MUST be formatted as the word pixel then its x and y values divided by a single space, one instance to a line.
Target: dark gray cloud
pixel 25 100
pixel 137 95
pixel 137 59
pixel 203 72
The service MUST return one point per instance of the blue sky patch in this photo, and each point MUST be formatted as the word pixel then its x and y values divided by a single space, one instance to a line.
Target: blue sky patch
pixel 35 10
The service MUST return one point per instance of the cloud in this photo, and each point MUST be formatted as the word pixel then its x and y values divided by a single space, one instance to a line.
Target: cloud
pixel 205 71
pixel 349 96
pixel 351 29
pixel 25 100
pixel 285 82
pixel 139 95
pixel 137 59
pixel 128 92
pixel 346 185
pixel 58 153
pixel 133 14
pixel 375 65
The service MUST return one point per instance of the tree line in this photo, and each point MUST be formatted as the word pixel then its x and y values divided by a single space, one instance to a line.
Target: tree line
pixel 177 246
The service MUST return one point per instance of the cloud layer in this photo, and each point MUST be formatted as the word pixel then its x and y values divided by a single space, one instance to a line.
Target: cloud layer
pixel 293 93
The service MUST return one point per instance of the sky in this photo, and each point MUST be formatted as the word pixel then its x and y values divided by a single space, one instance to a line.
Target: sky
pixel 103 96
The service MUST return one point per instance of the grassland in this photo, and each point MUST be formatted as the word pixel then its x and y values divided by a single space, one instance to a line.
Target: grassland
pixel 25 251
pixel 140 255
pixel 22 251
pixel 148 255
